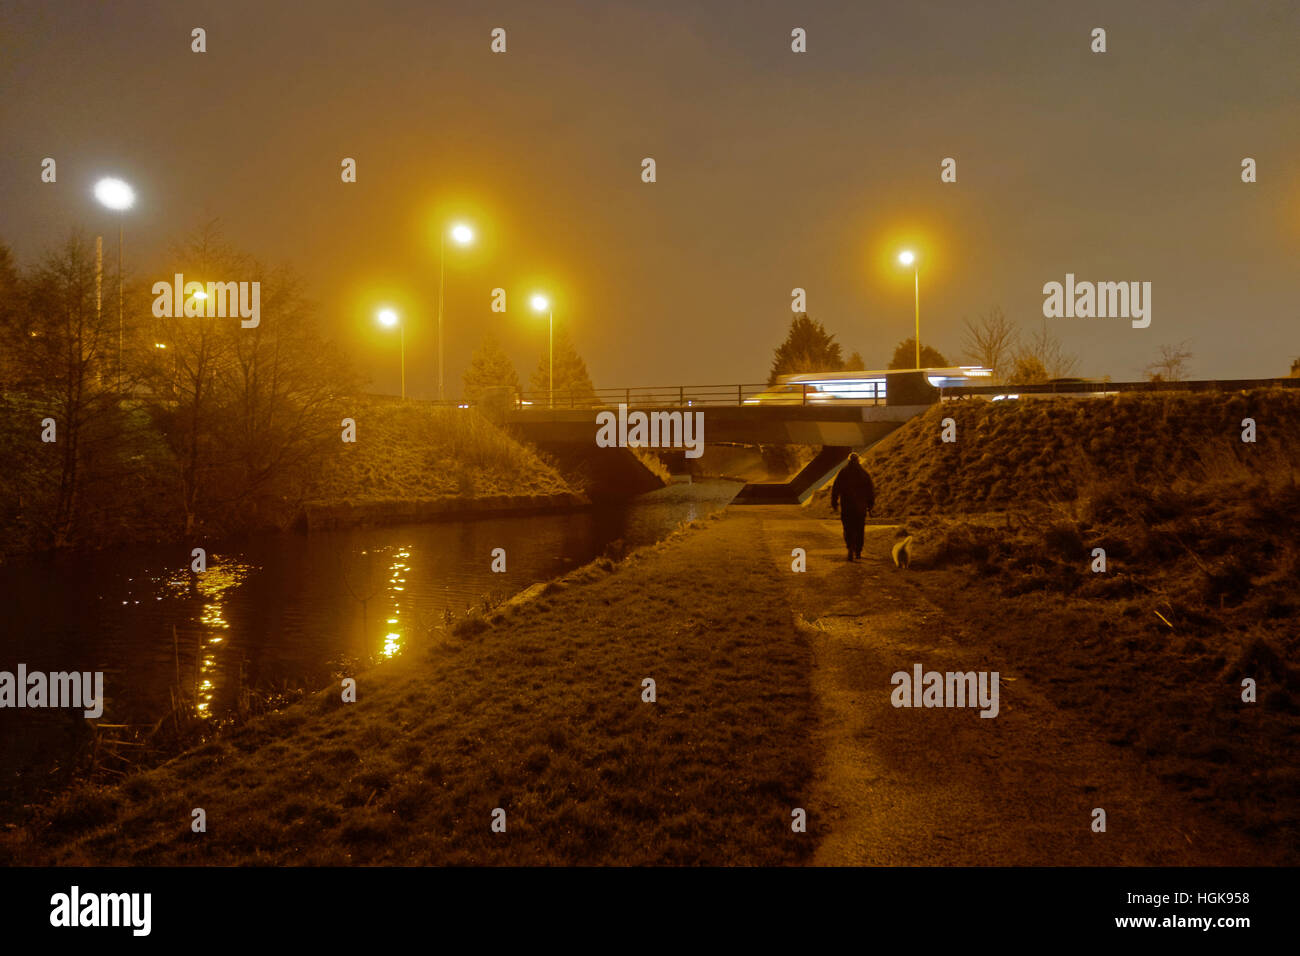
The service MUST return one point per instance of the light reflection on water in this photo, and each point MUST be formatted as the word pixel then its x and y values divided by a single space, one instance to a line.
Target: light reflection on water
pixel 283 609
pixel 222 574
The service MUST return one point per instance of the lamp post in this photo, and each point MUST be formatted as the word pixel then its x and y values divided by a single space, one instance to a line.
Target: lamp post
pixel 118 196
pixel 463 235
pixel 389 317
pixel 907 258
pixel 542 304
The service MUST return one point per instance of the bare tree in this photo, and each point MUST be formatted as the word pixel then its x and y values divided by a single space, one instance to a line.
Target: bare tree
pixel 990 341
pixel 1171 366
pixel 68 360
pixel 245 411
pixel 1042 358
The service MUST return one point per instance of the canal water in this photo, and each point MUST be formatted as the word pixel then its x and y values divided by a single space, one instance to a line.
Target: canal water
pixel 288 610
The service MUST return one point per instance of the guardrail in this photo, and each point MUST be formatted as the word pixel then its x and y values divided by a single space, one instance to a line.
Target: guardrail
pixel 1092 388
pixel 647 396
pixel 689 396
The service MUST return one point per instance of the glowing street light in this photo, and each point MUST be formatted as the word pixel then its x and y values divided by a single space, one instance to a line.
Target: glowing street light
pixel 115 194
pixel 462 235
pixel 118 196
pixel 907 258
pixel 389 318
pixel 541 304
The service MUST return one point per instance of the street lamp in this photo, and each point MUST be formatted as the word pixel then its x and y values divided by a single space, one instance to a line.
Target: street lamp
pixel 542 304
pixel 118 196
pixel 907 259
pixel 462 235
pixel 389 317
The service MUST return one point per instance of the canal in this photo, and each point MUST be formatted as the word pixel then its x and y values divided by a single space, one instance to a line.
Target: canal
pixel 276 612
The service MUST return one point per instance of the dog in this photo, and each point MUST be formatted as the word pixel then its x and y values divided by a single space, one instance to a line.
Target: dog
pixel 902 553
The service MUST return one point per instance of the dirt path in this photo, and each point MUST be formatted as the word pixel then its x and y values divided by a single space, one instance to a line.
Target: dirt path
pixel 943 786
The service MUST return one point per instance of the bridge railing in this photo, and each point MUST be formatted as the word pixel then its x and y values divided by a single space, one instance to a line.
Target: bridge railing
pixel 687 396
pixel 648 396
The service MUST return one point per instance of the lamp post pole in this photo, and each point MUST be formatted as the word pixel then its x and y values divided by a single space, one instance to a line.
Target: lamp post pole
pixel 120 327
pixel 390 317
pixel 442 275
pixel 118 196
pixel 917 277
pixel 909 258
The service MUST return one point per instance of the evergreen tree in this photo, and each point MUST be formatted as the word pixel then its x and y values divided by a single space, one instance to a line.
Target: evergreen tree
pixel 905 356
pixel 572 383
pixel 808 347
pixel 489 367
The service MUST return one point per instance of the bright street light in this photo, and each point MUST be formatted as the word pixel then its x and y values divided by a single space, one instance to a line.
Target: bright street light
pixel 115 194
pixel 389 318
pixel 462 235
pixel 906 258
pixel 542 304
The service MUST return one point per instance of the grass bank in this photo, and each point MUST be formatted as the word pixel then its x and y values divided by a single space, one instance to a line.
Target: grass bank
pixel 412 452
pixel 536 710
pixel 1201 582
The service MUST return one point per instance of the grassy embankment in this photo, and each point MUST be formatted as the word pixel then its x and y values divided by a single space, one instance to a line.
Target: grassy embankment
pixel 1201 588
pixel 537 710
pixel 414 460
pixel 422 451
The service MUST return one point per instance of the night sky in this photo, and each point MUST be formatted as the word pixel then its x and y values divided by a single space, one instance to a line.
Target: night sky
pixel 775 169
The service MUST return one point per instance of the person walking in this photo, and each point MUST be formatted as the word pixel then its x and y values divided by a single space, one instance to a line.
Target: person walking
pixel 855 496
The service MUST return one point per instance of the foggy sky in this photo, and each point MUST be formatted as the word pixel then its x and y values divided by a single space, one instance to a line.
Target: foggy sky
pixel 775 169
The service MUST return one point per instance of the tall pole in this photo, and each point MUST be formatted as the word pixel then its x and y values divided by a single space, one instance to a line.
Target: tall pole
pixel 119 304
pixel 550 318
pixel 442 275
pixel 402 329
pixel 918 315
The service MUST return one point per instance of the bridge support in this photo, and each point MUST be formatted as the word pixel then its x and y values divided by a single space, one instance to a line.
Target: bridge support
pixel 799 488
pixel 604 473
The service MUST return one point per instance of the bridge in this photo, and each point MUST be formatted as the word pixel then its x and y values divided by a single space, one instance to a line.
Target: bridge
pixel 565 425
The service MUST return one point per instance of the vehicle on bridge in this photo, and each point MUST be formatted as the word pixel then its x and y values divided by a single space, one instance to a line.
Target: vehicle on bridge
pixel 862 388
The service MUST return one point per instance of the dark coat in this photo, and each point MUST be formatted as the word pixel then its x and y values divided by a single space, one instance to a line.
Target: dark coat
pixel 853 486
